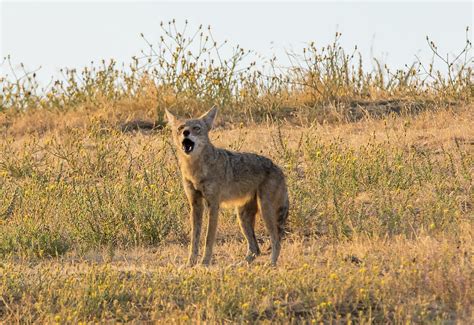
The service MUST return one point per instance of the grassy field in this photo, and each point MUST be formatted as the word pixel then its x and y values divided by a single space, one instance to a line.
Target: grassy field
pixel 379 165
pixel 94 226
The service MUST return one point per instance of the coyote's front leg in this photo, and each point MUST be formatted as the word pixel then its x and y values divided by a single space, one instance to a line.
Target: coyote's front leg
pixel 213 208
pixel 195 201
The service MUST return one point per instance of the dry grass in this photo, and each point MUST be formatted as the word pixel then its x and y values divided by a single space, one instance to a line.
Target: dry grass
pixel 94 226
pixel 93 220
pixel 186 71
pixel 367 280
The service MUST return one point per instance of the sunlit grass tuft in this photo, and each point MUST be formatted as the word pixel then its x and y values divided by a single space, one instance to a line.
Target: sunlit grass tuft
pixel 187 71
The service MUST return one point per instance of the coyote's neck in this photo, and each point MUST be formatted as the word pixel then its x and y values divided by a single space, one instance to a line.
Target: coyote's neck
pixel 196 167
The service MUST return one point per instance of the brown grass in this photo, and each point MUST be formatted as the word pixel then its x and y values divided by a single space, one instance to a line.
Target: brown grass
pixel 380 280
pixel 334 268
pixel 379 165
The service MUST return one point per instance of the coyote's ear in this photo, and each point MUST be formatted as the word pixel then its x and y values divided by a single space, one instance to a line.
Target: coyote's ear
pixel 209 117
pixel 171 118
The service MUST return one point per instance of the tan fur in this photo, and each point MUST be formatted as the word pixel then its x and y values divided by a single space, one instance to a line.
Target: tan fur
pixel 215 178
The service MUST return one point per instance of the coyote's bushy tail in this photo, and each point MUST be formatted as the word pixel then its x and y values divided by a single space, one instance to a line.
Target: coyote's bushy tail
pixel 283 212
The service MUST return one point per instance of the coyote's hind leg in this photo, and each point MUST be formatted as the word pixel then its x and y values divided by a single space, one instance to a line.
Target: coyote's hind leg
pixel 246 214
pixel 272 199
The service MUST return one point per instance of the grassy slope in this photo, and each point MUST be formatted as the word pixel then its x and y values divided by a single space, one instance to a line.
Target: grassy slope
pixel 381 226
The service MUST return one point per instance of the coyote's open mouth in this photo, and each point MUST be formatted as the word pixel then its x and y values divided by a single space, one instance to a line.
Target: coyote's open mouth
pixel 188 145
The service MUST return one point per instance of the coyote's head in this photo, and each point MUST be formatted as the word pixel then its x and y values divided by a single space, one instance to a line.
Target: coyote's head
pixel 191 136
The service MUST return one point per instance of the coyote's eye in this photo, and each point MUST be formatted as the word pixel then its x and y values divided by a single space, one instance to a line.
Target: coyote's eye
pixel 180 128
pixel 197 129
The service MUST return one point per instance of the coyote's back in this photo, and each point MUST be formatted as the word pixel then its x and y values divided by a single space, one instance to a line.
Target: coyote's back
pixel 221 178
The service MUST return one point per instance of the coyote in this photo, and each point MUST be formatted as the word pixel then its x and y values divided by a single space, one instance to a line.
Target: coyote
pixel 215 177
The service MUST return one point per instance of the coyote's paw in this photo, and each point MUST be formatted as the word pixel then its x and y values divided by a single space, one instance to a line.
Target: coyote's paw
pixel 250 257
pixel 205 263
pixel 191 262
pixel 271 264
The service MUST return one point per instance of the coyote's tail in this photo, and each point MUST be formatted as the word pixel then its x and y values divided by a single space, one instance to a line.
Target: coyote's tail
pixel 282 218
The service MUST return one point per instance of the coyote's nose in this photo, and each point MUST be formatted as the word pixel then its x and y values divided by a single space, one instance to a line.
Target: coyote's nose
pixel 185 133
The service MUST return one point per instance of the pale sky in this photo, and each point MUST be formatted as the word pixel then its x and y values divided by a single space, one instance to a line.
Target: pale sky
pixel 71 34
